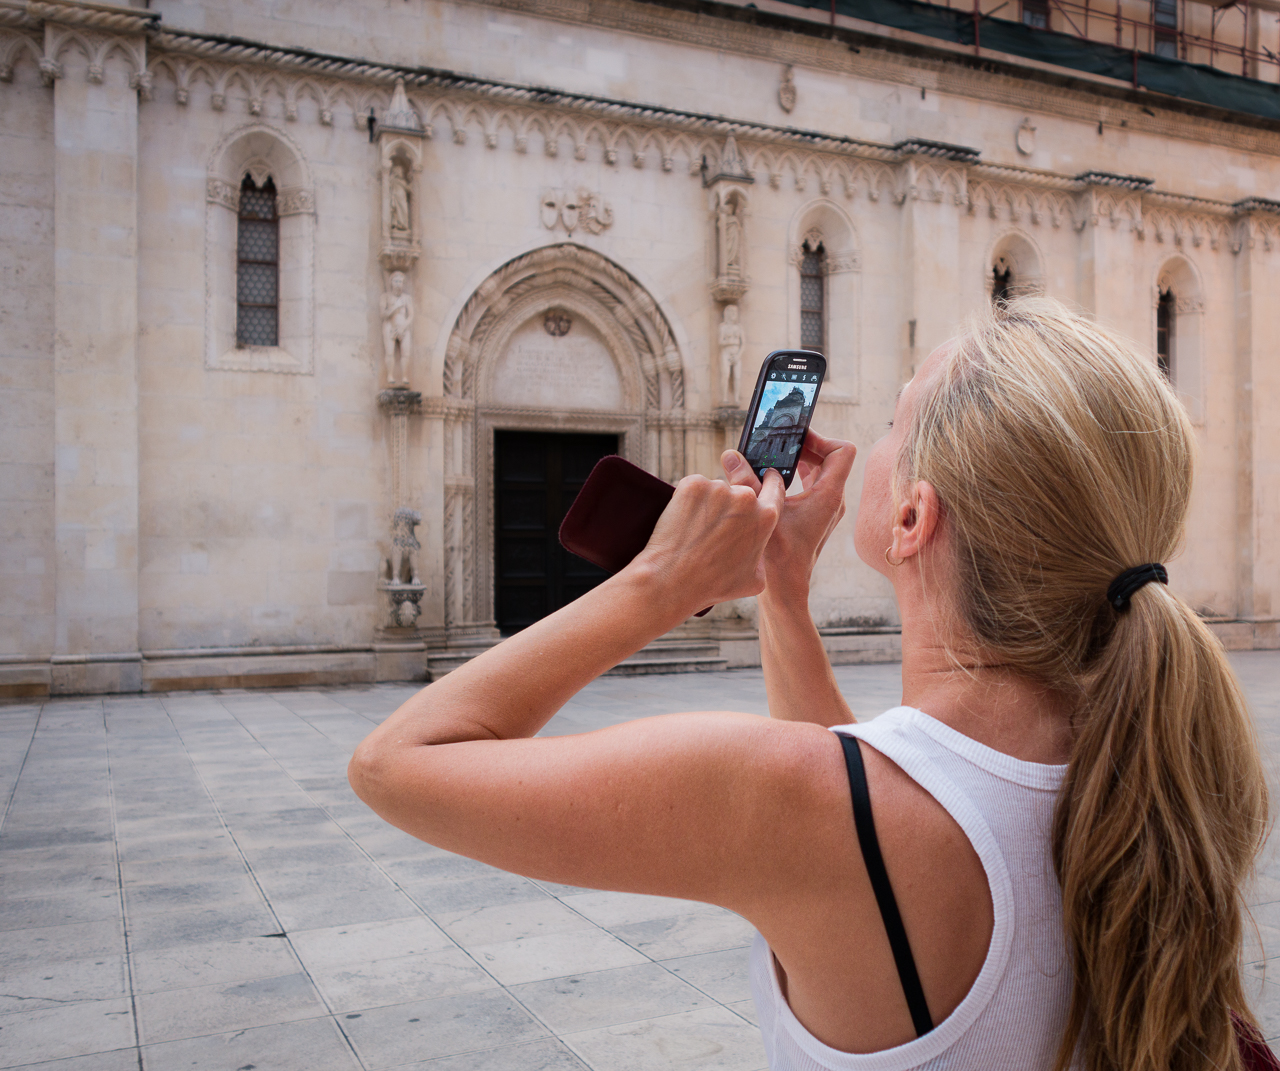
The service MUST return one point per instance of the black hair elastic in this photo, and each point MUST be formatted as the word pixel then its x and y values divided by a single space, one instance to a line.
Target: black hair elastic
pixel 1123 586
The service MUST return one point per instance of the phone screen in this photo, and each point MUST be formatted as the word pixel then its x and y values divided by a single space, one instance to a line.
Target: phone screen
pixel 780 411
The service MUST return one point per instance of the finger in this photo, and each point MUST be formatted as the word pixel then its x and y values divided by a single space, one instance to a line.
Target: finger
pixel 818 446
pixel 773 494
pixel 737 471
pixel 836 465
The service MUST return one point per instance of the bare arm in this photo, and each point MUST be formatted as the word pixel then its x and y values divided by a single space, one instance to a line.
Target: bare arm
pixel 700 806
pixel 797 671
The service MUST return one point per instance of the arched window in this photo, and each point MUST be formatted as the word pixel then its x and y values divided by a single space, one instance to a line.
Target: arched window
pixel 1002 283
pixel 258 265
pixel 1166 320
pixel 813 312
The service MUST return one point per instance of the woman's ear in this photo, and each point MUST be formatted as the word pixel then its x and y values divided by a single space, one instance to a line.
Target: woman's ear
pixel 916 521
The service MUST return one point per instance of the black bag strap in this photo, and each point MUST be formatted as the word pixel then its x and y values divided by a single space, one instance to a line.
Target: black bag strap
pixel 870 845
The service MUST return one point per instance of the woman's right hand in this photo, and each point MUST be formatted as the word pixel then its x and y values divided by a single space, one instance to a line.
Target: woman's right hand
pixel 808 518
pixel 709 543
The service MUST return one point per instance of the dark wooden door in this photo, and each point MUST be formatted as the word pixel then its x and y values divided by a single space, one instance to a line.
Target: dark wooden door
pixel 537 476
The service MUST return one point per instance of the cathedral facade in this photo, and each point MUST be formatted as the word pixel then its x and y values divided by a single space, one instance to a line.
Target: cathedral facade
pixel 314 316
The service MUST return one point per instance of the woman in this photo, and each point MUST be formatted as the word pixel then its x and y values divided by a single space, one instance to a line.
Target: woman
pixel 1066 805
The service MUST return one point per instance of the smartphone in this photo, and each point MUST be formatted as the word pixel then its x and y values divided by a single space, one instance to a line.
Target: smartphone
pixel 780 411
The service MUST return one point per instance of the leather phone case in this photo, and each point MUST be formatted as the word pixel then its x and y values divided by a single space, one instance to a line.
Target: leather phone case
pixel 614 514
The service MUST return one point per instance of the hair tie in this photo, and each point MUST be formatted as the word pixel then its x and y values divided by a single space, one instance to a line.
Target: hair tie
pixel 1123 586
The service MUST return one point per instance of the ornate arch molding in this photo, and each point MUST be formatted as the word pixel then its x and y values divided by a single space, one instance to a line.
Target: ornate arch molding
pixel 651 423
pixel 648 335
pixel 260 151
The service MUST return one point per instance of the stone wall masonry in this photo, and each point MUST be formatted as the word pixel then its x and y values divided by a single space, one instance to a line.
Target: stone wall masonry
pixel 26 369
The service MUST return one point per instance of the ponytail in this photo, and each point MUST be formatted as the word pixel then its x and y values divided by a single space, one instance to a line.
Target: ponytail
pixel 1063 459
pixel 1161 815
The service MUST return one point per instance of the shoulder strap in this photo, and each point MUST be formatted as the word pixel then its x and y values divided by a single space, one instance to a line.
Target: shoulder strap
pixel 870 845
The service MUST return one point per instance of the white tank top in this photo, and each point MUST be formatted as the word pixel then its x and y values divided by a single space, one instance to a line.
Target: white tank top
pixel 1013 1017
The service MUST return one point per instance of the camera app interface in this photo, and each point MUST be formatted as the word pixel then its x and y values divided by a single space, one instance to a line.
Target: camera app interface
pixel 786 404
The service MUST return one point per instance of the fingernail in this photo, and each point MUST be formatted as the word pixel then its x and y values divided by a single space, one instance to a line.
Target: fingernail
pixel 732 461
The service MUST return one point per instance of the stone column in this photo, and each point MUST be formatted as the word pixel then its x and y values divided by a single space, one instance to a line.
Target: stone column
pixel 932 184
pixel 1257 439
pixel 1108 213
pixel 95 374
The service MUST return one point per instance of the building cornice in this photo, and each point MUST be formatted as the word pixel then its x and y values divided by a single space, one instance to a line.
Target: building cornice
pixel 624 130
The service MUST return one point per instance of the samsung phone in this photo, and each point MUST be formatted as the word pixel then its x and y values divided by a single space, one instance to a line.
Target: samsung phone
pixel 780 411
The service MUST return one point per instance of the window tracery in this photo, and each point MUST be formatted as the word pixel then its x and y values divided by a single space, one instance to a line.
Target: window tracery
pixel 258 265
pixel 813 296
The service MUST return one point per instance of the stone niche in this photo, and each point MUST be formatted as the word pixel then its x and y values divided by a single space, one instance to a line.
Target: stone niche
pixel 556 360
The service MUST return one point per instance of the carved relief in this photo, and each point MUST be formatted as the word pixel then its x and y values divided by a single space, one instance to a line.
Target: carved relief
pixel 732 341
pixel 787 90
pixel 571 209
pixel 396 308
pixel 1024 138
pixel 730 281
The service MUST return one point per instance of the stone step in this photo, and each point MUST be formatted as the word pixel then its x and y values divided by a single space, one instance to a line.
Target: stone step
pixel 633 667
pixel 661 656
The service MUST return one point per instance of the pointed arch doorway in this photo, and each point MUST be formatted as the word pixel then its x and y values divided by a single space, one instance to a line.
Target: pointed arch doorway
pixel 563 343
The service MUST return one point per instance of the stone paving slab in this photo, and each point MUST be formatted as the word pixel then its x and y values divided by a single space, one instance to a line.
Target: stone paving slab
pixel 188 883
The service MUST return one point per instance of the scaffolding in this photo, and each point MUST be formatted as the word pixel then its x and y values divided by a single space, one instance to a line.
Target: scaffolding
pixel 1163 32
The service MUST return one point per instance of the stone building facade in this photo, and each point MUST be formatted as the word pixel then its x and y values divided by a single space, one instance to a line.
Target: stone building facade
pixel 276 278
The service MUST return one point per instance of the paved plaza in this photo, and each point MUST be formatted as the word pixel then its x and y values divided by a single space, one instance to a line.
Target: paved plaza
pixel 187 883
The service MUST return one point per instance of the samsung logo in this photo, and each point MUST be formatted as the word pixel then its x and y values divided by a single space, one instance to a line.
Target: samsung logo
pixel 799 367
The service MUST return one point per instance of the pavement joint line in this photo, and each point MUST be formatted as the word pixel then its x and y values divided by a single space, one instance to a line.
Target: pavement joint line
pixel 280 929
pixel 359 847
pixel 13 789
pixel 124 911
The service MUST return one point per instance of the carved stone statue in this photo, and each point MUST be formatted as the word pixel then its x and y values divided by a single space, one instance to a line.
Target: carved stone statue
pixel 397 326
pixel 732 340
pixel 404 545
pixel 730 238
pixel 400 200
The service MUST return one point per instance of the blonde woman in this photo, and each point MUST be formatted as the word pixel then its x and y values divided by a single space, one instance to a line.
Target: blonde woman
pixel 1045 863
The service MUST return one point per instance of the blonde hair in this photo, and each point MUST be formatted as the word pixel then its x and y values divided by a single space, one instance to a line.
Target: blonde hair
pixel 1062 457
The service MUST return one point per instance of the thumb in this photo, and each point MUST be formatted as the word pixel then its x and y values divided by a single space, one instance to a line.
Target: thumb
pixel 737 471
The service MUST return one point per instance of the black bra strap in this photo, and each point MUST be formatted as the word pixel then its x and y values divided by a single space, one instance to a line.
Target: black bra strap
pixel 870 845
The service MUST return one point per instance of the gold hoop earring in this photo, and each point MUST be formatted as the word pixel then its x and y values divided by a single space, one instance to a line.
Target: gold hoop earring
pixel 890 560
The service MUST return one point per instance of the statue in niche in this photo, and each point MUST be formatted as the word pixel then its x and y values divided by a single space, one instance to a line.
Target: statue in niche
pixel 730 221
pixel 397 326
pixel 732 340
pixel 400 200
pixel 404 547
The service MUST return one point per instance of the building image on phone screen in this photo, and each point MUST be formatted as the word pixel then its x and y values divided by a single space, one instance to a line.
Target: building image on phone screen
pixel 781 421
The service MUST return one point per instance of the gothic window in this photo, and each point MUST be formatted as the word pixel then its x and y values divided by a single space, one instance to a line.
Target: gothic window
pixel 258 266
pixel 813 313
pixel 1035 13
pixel 1166 319
pixel 1002 284
pixel 1164 19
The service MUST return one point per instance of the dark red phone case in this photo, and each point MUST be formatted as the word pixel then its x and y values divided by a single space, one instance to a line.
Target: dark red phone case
pixel 614 514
